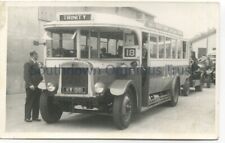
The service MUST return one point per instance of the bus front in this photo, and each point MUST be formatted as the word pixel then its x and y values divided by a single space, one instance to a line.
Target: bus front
pixel 80 60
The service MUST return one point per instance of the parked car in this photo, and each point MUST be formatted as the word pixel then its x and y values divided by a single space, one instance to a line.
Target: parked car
pixel 207 68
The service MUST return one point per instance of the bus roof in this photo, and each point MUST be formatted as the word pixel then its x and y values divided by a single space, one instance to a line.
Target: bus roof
pixel 99 19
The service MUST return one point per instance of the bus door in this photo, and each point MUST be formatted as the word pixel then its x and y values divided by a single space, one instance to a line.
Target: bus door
pixel 145 68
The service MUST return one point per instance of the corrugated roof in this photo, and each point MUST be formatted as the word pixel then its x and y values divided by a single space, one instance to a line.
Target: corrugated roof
pixel 203 35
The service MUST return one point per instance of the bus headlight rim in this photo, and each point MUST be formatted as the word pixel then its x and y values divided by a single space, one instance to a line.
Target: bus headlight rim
pixel 50 87
pixel 99 87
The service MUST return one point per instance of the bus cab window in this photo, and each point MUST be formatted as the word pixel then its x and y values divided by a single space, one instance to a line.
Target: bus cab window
pixel 168 47
pixel 119 49
pixel 108 48
pixel 93 45
pixel 153 46
pixel 104 53
pixel 120 52
pixel 131 39
pixel 83 45
pixel 161 46
pixel 61 45
pixel 88 44
pixel 112 47
pixel 105 42
pixel 68 45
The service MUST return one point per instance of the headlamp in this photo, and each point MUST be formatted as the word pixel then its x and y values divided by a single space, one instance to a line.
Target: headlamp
pixel 50 87
pixel 99 87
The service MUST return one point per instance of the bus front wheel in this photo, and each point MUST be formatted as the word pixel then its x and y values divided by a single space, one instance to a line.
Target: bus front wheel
pixel 50 112
pixel 123 108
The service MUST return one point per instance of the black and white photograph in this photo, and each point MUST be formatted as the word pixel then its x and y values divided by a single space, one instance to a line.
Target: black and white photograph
pixel 111 70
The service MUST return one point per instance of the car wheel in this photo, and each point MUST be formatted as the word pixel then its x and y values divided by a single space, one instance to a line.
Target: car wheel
pixel 208 84
pixel 198 88
pixel 186 88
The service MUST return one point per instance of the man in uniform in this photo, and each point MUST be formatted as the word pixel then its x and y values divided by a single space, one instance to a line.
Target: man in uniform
pixel 32 78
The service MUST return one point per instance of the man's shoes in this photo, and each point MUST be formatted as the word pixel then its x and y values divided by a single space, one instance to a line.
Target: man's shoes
pixel 28 120
pixel 37 120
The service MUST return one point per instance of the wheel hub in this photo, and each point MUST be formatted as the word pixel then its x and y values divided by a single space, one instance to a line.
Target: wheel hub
pixel 126 111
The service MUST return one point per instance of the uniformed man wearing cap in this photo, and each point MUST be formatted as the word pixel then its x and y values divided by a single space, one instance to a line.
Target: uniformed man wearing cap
pixel 32 78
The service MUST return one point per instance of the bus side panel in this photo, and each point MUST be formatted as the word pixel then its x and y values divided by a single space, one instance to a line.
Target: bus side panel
pixel 162 73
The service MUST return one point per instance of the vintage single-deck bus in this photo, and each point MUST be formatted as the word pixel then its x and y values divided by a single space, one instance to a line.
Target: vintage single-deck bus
pixel 103 63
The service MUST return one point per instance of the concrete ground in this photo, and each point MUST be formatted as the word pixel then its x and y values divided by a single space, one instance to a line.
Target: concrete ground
pixel 193 117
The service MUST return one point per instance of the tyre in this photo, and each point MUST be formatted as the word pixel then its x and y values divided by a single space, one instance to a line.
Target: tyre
pixel 174 93
pixel 186 88
pixel 123 109
pixel 198 88
pixel 50 112
pixel 208 82
pixel 202 81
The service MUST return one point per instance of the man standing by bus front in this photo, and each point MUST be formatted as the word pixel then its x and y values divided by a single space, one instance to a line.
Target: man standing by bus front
pixel 32 78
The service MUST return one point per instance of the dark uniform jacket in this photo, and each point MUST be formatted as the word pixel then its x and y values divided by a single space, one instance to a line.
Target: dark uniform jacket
pixel 32 75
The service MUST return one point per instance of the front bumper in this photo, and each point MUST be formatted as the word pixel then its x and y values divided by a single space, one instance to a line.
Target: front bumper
pixel 76 95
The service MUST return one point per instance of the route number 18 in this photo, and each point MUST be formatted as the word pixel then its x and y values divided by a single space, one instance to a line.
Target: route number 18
pixel 130 52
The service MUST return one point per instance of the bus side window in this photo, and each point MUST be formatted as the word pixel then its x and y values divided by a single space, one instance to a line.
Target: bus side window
pixel 179 46
pixel 161 47
pixel 153 46
pixel 184 49
pixel 174 48
pixel 168 47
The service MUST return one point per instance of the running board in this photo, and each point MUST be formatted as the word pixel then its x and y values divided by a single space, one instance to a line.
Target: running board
pixel 152 103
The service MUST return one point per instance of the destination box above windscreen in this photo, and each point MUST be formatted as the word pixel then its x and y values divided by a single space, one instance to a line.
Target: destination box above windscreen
pixel 75 17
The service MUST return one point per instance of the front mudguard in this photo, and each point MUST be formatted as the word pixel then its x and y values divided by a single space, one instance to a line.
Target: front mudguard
pixel 119 87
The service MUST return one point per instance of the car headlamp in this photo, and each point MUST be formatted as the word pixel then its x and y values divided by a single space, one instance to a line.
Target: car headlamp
pixel 209 71
pixel 99 87
pixel 50 87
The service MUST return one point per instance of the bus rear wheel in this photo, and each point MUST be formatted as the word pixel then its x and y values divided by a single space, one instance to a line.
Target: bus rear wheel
pixel 123 108
pixel 50 112
pixel 174 93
